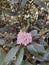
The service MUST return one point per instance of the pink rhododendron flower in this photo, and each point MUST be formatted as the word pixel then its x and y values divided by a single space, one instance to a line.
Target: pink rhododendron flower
pixel 24 38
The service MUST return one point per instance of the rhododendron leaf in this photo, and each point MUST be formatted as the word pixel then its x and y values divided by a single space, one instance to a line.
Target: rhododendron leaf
pixel 4 29
pixel 13 1
pixel 20 57
pixel 39 58
pixel 42 63
pixel 26 63
pixel 11 54
pixel 9 12
pixel 39 48
pixel 2 55
pixel 23 3
pixel 42 42
pixel 32 50
pixel 36 37
pixel 1 41
pixel 46 56
pixel 41 4
pixel 33 32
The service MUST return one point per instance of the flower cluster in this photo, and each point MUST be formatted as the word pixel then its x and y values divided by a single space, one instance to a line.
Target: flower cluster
pixel 24 38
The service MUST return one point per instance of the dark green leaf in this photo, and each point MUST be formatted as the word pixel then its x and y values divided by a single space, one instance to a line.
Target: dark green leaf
pixel 13 1
pixel 32 50
pixel 42 63
pixel 39 58
pixel 20 57
pixel 2 41
pixel 23 3
pixel 46 56
pixel 33 32
pixel 41 4
pixel 42 42
pixel 39 48
pixel 36 37
pixel 9 12
pixel 2 56
pixel 4 29
pixel 11 54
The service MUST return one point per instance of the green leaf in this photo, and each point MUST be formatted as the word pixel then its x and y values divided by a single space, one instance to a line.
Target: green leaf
pixel 32 50
pixel 1 41
pixel 2 56
pixel 41 4
pixel 9 12
pixel 39 58
pixel 26 63
pixel 20 57
pixel 42 42
pixel 46 56
pixel 23 3
pixel 11 54
pixel 33 32
pixel 12 2
pixel 39 48
pixel 42 63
